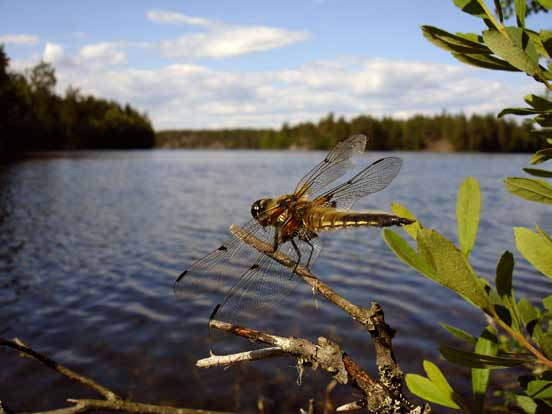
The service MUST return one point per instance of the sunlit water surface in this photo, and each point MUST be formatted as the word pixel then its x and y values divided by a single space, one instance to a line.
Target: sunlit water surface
pixel 91 243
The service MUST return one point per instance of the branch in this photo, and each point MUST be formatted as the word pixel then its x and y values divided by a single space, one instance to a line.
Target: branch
pixel 372 319
pixel 112 401
pixel 329 356
pixel 218 360
pixel 72 375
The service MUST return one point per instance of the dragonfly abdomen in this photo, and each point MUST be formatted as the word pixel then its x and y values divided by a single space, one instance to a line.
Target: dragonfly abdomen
pixel 321 218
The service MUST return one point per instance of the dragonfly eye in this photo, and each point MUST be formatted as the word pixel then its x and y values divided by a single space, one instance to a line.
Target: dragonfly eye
pixel 256 208
pixel 259 207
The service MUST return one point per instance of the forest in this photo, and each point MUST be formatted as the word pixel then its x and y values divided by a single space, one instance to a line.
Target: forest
pixel 443 132
pixel 34 118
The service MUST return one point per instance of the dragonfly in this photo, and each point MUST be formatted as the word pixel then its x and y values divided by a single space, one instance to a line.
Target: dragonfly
pixel 290 224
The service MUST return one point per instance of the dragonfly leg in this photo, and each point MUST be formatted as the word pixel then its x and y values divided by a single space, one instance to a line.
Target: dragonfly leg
pixel 311 252
pixel 298 254
pixel 276 241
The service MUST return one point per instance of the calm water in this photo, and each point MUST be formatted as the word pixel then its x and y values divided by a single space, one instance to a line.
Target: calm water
pixel 90 245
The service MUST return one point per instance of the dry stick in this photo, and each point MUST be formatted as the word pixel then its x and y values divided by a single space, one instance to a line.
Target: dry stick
pixel 326 355
pixel 72 375
pixel 372 319
pixel 328 405
pixel 218 360
pixel 389 387
pixel 113 402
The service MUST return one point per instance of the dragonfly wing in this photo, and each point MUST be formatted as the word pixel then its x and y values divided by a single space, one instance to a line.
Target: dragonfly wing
pixel 338 161
pixel 263 286
pixel 208 278
pixel 371 179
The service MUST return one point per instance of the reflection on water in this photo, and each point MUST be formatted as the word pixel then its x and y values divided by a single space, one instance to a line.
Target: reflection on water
pixel 90 245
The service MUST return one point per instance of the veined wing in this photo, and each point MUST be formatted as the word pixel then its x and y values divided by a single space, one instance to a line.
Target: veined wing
pixel 336 164
pixel 208 278
pixel 371 179
pixel 263 286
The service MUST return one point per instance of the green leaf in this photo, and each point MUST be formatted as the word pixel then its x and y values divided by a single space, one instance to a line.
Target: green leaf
pixel 541 156
pixel 453 43
pixel 404 252
pixel 536 249
pixel 401 211
pixel 485 61
pixel 544 119
pixel 518 111
pixel 526 404
pixel 427 390
pixel 545 3
pixel 538 42
pixel 504 271
pixel 451 267
pixel 547 302
pixel 468 208
pixel 520 12
pixel 531 317
pixel 545 236
pixel 475 360
pixel 512 50
pixel 546 40
pixel 529 314
pixel 486 345
pixel 436 376
pixel 539 389
pixel 472 37
pixel 522 40
pixel 459 333
pixel 538 172
pixel 545 342
pixel 530 189
pixel 471 7
pixel 503 282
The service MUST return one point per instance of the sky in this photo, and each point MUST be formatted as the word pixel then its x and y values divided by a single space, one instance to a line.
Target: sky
pixel 236 63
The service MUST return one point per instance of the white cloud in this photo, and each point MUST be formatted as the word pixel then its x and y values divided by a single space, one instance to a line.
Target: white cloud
pixel 194 96
pixel 167 17
pixel 187 95
pixel 53 53
pixel 227 42
pixel 19 39
pixel 221 40
pixel 102 54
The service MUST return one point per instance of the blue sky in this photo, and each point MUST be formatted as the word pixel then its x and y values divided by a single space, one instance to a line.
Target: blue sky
pixel 210 64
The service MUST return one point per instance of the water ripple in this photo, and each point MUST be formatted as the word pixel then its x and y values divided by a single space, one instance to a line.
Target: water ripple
pixel 90 245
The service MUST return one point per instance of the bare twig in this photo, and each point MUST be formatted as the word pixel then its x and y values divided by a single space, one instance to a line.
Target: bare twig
pixel 328 405
pixel 329 356
pixel 218 360
pixel 112 401
pixel 72 375
pixel 352 406
pixel 260 405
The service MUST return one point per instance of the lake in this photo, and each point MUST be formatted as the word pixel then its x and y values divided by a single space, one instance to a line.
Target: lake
pixel 91 244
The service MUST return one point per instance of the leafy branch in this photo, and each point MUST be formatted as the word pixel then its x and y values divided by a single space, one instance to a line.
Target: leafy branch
pixel 529 328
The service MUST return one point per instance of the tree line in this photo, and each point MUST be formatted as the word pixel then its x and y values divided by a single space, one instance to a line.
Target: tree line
pixel 33 117
pixel 445 132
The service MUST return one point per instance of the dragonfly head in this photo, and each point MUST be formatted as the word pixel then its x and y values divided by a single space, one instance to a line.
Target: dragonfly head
pixel 259 209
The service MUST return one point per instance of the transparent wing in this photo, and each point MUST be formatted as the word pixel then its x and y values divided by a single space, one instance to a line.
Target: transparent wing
pixel 264 285
pixel 336 164
pixel 372 179
pixel 209 278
